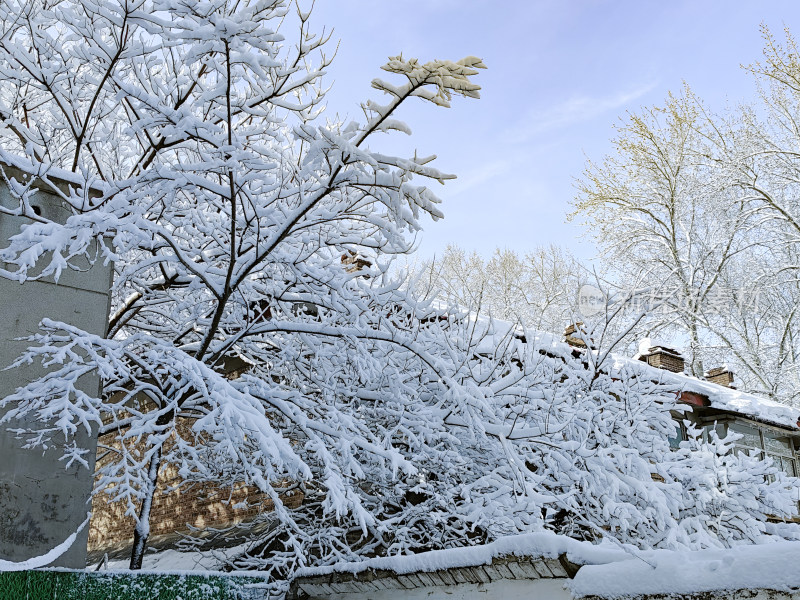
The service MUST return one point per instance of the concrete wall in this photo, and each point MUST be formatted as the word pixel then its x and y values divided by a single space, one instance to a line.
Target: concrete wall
pixel 744 594
pixel 542 589
pixel 41 502
pixel 513 589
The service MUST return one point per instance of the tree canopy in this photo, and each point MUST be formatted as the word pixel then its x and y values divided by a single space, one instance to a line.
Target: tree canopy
pixel 257 334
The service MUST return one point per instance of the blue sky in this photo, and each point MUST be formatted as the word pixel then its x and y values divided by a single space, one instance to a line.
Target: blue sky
pixel 560 74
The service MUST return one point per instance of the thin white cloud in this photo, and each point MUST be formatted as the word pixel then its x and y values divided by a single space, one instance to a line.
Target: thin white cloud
pixel 472 178
pixel 574 110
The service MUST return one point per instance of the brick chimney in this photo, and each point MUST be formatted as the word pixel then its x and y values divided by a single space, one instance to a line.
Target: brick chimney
pixel 661 357
pixel 572 339
pixel 353 262
pixel 721 376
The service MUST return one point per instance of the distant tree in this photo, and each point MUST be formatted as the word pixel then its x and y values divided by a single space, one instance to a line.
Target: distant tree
pixel 539 289
pixel 664 213
pixel 764 331
pixel 703 206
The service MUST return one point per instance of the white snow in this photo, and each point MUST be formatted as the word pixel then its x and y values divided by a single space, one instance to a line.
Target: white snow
pixel 721 397
pixel 770 566
pixel 744 403
pixel 608 571
pixel 372 390
pixel 175 561
pixel 47 171
pixel 541 544
pixel 647 344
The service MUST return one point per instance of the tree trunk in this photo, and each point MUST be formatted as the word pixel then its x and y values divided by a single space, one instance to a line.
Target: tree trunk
pixel 142 530
pixel 696 368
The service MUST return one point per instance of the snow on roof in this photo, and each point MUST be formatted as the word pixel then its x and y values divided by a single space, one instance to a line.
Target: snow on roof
pixel 750 405
pixel 542 544
pixel 489 334
pixel 647 345
pixel 719 397
pixel 770 566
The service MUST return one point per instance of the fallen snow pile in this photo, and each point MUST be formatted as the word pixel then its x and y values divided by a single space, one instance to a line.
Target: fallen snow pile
pixel 542 544
pixel 768 566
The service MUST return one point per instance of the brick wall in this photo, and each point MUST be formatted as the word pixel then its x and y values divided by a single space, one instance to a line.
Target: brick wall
pixel 177 506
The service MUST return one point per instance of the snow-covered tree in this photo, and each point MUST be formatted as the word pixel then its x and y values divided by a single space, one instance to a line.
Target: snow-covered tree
pixel 257 334
pixel 703 207
pixel 763 164
pixel 726 496
pixel 576 443
pixel 239 223
pixel 659 206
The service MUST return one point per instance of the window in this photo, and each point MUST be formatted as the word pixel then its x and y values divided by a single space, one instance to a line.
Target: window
pixel 767 442
pixel 678 437
pixel 750 440
pixel 763 440
pixel 779 449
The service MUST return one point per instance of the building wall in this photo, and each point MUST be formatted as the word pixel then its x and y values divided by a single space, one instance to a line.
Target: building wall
pixel 550 589
pixel 177 508
pixel 509 589
pixel 41 501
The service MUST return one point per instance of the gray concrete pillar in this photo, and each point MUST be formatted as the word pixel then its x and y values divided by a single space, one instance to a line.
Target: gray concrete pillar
pixel 42 502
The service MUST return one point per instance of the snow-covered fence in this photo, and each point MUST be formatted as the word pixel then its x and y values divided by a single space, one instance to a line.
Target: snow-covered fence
pixel 524 566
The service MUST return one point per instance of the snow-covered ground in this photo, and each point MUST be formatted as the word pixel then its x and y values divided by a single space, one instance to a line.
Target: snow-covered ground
pixel 172 560
pixel 769 566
